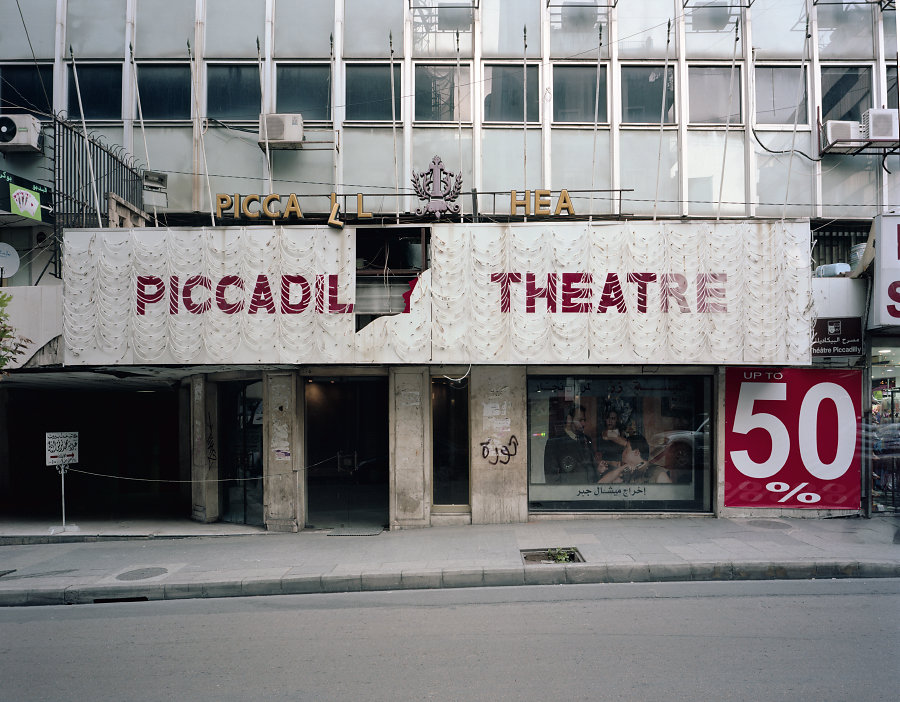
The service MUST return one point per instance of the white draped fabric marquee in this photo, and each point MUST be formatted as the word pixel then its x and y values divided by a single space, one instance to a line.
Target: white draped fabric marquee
pixel 554 292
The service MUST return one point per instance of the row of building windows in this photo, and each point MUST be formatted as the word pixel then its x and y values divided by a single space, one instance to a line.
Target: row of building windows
pixel 228 29
pixel 442 92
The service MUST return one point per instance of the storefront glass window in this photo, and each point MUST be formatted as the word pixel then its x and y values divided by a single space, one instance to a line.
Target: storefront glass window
pixel 450 441
pixel 619 443
pixel 883 432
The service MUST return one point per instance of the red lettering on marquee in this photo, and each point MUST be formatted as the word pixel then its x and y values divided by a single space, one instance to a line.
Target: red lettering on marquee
pixel 893 292
pixel 612 295
pixel 262 296
pixel 191 283
pixel 288 307
pixel 144 297
pixel 222 303
pixel 532 292
pixel 576 299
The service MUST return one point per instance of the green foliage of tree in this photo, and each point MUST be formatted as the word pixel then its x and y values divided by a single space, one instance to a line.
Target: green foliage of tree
pixel 11 344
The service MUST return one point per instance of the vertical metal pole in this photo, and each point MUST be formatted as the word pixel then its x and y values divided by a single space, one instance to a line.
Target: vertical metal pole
pixel 596 120
pixel 394 127
pixel 737 25
pixel 662 117
pixel 525 112
pixel 458 116
pixel 62 477
pixel 87 142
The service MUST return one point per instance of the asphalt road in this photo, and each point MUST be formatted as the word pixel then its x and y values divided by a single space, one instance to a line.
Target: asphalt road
pixel 781 640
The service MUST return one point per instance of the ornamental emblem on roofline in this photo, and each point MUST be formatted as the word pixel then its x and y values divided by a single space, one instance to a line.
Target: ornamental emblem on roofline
pixel 438 187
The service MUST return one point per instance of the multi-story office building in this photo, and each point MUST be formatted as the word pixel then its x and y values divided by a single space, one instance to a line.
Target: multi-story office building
pixel 419 262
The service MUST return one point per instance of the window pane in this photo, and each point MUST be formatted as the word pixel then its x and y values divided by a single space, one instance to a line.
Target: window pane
pixel 892 87
pixel 437 90
pixel 162 28
pixel 846 92
pixel 503 86
pixel 305 89
pixel 575 92
pixel 232 92
pixel 368 27
pixel 645 147
pixel 705 151
pixel 40 18
pixel 777 93
pixel 573 154
pixel 779 28
pixel 232 27
pixel 501 27
pixel 94 28
pixel 165 91
pixel 709 29
pixel 642 94
pixel 317 19
pixel 845 30
pixel 889 19
pixel 435 25
pixel 772 173
pixel 101 92
pixel 710 88
pixel 642 28
pixel 575 29
pixel 450 442
pixel 21 89
pixel 369 92
pixel 619 443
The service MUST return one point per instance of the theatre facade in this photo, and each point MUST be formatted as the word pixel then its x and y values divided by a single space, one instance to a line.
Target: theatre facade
pixel 538 369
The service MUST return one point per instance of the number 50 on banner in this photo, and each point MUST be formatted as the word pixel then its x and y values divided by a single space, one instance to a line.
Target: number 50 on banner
pixel 791 438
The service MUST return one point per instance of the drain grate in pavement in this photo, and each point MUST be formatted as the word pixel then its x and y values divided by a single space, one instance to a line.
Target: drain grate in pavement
pixel 545 556
pixel 142 573
pixel 356 531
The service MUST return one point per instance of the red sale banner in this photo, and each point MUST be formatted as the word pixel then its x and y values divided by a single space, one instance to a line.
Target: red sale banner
pixel 791 438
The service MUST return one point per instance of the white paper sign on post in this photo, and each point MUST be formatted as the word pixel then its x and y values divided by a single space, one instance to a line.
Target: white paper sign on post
pixel 62 447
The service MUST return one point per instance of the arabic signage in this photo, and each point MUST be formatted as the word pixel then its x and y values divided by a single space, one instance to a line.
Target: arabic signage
pixel 24 198
pixel 61 447
pixel 561 292
pixel 836 337
pixel 791 438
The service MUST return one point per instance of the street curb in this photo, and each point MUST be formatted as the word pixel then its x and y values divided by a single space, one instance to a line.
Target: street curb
pixel 426 579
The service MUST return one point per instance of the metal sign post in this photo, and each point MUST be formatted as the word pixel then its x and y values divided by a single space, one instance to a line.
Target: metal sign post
pixel 62 451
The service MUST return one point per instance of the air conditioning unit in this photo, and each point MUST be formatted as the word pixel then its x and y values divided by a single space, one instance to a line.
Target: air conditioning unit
pixel 20 133
pixel 880 124
pixel 842 137
pixel 282 131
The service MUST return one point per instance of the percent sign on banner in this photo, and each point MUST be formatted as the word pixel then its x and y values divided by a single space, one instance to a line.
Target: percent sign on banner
pixel 791 438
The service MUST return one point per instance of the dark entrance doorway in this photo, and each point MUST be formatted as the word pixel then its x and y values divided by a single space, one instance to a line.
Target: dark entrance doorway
pixel 347 452
pixel 241 452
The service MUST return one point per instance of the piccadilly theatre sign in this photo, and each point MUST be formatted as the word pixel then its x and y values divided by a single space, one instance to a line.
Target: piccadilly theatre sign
pixel 557 292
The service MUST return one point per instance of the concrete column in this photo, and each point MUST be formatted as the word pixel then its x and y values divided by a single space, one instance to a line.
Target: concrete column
pixel 498 431
pixel 204 451
pixel 280 452
pixel 410 447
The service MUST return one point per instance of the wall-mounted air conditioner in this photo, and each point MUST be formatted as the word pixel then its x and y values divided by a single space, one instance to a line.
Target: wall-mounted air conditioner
pixel 283 131
pixel 842 137
pixel 880 124
pixel 20 133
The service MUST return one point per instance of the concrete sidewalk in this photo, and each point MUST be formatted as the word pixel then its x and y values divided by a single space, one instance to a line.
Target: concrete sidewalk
pixel 132 560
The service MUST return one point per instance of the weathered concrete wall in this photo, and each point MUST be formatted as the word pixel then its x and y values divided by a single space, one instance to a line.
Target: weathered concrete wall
pixel 410 427
pixel 498 431
pixel 280 456
pixel 204 451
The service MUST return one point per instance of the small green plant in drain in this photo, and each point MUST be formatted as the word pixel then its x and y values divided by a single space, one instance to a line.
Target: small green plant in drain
pixel 562 555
